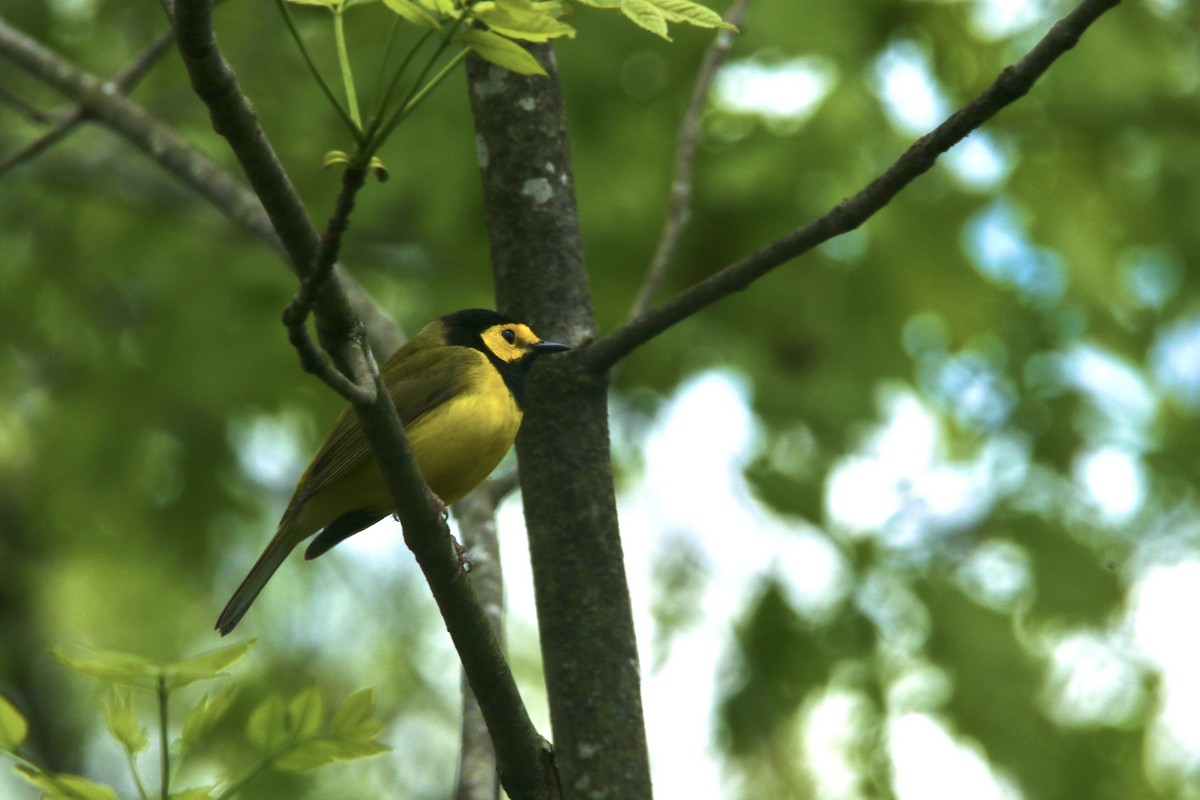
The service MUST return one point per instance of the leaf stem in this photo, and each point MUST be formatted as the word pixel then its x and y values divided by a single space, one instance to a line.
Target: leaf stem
pixel 163 738
pixel 427 89
pixel 137 775
pixel 416 94
pixel 381 105
pixel 378 99
pixel 245 778
pixel 339 34
pixel 355 130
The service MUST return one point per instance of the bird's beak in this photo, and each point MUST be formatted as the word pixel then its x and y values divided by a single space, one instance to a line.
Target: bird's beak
pixel 542 348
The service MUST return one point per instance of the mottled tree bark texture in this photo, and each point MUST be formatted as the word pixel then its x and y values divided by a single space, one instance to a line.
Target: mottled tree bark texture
pixel 588 645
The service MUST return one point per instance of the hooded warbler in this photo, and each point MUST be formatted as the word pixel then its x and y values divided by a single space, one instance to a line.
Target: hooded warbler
pixel 457 386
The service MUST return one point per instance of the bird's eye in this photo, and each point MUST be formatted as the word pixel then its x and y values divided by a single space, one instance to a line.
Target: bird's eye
pixel 509 336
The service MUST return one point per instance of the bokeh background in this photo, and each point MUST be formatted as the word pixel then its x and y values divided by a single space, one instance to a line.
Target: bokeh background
pixel 915 516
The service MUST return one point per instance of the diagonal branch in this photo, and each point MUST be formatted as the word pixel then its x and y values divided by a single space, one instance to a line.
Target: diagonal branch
pixel 124 80
pixel 680 207
pixel 1012 84
pixel 476 515
pixel 160 143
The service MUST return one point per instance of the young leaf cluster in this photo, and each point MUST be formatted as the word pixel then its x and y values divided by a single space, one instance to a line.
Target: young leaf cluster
pixel 653 15
pixel 291 735
pixel 446 32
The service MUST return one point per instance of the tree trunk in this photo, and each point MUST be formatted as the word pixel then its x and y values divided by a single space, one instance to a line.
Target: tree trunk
pixel 588 644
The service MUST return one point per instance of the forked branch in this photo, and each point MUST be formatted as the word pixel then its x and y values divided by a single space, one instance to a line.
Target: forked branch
pixel 159 142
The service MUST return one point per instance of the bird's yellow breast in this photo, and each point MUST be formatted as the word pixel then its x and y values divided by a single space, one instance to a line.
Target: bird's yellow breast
pixel 458 443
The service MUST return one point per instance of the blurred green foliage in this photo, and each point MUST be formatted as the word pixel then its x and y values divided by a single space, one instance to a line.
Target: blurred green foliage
pixel 154 417
pixel 290 736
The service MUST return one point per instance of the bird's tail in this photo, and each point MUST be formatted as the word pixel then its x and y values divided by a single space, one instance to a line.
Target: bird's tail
pixel 257 578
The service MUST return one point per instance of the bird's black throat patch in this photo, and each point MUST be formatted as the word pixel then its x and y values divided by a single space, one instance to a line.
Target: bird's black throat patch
pixel 463 328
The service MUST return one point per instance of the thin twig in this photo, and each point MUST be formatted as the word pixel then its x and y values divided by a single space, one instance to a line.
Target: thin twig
pixel 234 117
pixel 124 79
pixel 132 122
pixel 29 110
pixel 295 316
pixel 679 211
pixel 476 516
pixel 1013 82
pixel 44 142
pixel 161 144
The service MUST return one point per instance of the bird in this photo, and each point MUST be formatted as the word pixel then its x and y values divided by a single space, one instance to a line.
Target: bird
pixel 458 386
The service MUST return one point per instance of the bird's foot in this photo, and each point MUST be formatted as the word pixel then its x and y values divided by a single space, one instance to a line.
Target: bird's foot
pixel 464 562
pixel 439 506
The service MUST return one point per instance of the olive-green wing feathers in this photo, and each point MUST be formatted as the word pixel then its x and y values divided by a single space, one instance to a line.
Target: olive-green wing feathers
pixel 440 370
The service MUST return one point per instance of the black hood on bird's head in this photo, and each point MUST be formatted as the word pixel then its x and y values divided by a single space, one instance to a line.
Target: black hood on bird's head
pixel 509 345
pixel 471 322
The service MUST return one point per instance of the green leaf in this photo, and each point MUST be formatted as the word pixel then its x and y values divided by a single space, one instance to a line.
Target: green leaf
pixel 318 752
pixel 330 4
pixel 501 52
pixel 521 19
pixel 267 728
pixel 205 714
pixel 123 722
pixel 353 719
pixel 126 669
pixel 119 669
pixel 205 666
pixel 352 712
pixel 414 12
pixel 305 711
pixel 377 168
pixel 653 15
pixel 65 787
pixel 205 793
pixel 690 13
pixel 335 157
pixel 13 726
pixel 645 14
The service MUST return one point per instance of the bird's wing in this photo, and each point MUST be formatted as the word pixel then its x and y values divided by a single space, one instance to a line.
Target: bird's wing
pixel 346 448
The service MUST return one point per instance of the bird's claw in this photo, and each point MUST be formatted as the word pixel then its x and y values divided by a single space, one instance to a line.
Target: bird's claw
pixel 440 506
pixel 464 563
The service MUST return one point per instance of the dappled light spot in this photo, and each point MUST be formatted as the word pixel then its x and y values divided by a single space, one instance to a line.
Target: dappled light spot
pixel 1152 275
pixel 1113 481
pixel 1114 388
pixel 998 19
pixel 996 242
pixel 1092 681
pixel 1175 361
pixel 905 82
pixel 917 742
pixel 900 487
pixel 269 448
pixel 997 574
pixel 783 94
pixel 1161 635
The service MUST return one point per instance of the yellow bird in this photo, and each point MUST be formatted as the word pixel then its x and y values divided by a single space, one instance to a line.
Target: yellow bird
pixel 457 386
